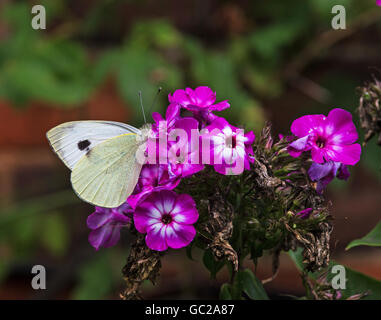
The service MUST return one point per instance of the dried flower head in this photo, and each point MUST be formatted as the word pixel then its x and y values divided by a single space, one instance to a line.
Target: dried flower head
pixel 369 110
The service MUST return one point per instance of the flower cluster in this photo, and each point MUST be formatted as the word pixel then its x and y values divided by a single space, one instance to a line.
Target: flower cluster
pixel 190 137
pixel 178 147
pixel 331 141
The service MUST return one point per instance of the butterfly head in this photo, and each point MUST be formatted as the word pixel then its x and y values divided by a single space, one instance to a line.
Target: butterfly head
pixel 145 133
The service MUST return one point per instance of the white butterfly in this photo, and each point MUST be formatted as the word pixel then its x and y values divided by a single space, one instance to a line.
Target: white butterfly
pixel 102 158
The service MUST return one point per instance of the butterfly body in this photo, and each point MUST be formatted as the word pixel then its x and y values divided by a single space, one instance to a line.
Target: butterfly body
pixel 102 158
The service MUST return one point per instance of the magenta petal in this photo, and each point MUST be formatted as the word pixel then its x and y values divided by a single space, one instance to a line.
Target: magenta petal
pixel 250 137
pixel 180 97
pixel 303 125
pixel 341 127
pixel 343 137
pixel 106 236
pixel 192 97
pixel 343 173
pixel 145 217
pixel 300 144
pixel 205 96
pixel 187 124
pixel 100 217
pixel 335 168
pixel 124 208
pixel 250 154
pixel 339 118
pixel 294 153
pixel 317 155
pixel 207 117
pixel 155 238
pixel 184 210
pixel 173 112
pixel 150 210
pixel 219 123
pixel 190 169
pixel 220 106
pixel 229 169
pixel 304 214
pixel 347 154
pixel 157 117
pixel 113 237
pixel 324 173
pixel 324 182
pixel 296 148
pixel 220 168
pixel 96 237
pixel 344 130
pixel 134 199
pixel 179 235
pixel 120 218
pixel 106 224
pixel 318 171
pixel 152 178
pixel 159 198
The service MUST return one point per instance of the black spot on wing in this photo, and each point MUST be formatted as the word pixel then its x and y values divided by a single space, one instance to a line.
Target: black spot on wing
pixel 82 145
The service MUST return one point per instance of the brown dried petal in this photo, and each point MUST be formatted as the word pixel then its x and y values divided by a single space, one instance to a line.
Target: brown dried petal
pixel 142 264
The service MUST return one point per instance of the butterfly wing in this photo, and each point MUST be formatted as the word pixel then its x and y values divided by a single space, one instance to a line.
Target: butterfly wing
pixel 107 174
pixel 72 140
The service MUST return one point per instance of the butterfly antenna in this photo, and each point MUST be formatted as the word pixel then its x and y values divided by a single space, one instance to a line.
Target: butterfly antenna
pixel 155 99
pixel 141 104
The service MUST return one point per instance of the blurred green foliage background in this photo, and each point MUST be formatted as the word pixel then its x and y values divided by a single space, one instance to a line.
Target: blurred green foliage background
pixel 273 60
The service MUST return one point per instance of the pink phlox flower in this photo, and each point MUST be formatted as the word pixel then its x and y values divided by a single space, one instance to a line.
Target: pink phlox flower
pixel 105 224
pixel 328 138
pixel 200 101
pixel 231 150
pixel 167 218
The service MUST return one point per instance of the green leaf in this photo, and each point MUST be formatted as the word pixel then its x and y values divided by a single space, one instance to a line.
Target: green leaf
pixel 37 80
pixel 225 292
pixel 217 70
pixel 145 71
pixel 373 238
pixel 356 283
pixel 17 15
pixel 54 234
pixel 67 59
pixel 251 285
pixel 269 40
pixel 160 33
pixel 95 279
pixel 107 64
pixel 211 264
pixel 297 257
